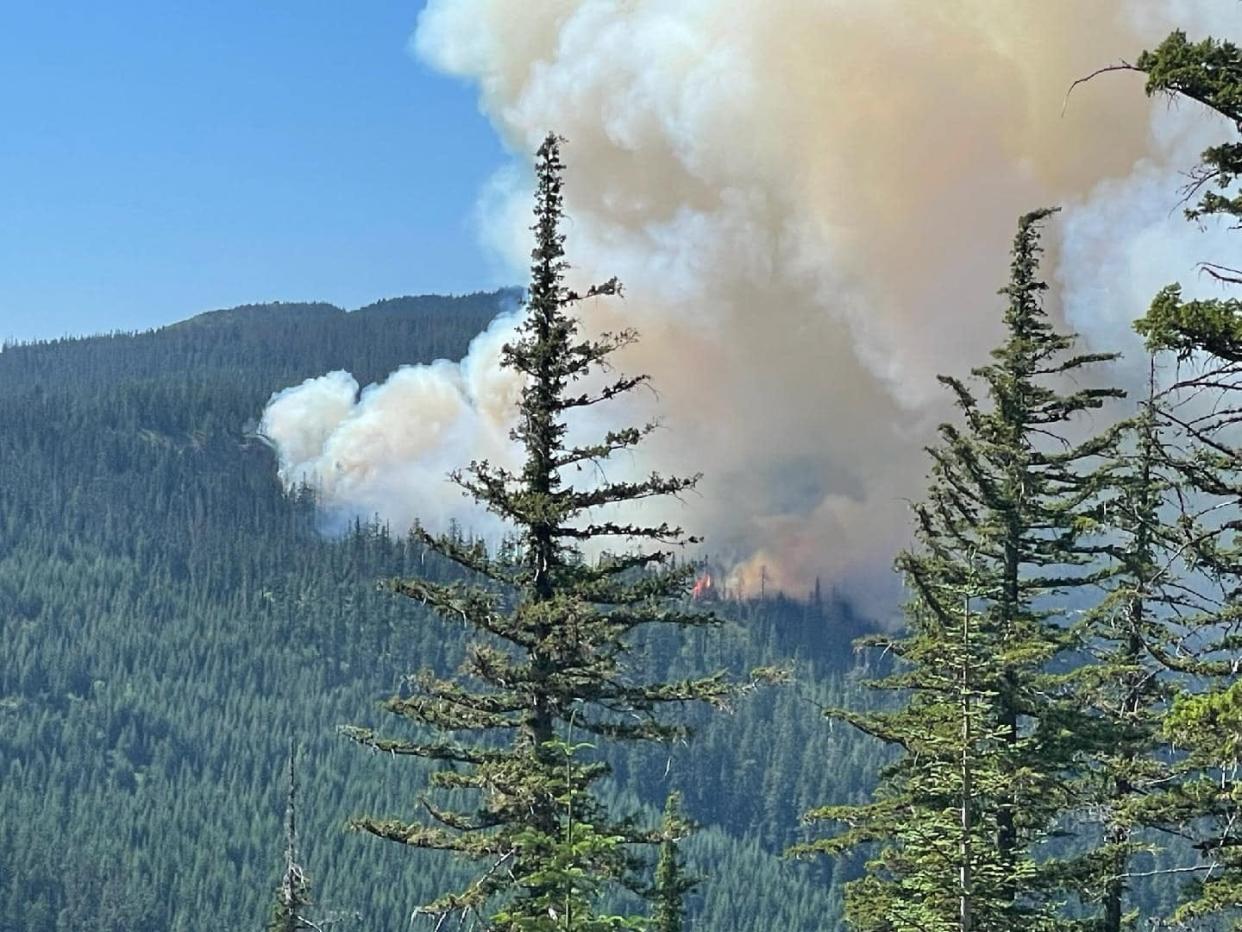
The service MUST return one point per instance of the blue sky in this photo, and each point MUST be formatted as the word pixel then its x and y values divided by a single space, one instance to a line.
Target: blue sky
pixel 158 159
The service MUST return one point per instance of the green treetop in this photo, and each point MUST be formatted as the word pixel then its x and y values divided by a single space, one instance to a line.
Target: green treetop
pixel 672 883
pixel 1209 73
pixel 982 729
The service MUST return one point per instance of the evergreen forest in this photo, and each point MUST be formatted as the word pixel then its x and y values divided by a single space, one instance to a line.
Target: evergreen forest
pixel 172 621
pixel 219 710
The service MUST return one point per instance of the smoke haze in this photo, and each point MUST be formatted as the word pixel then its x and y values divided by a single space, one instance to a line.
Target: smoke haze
pixel 810 203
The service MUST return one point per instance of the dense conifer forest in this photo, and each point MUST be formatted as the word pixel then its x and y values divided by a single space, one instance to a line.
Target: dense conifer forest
pixel 172 620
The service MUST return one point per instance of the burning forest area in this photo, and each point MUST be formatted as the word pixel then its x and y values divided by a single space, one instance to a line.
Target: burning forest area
pixel 730 467
pixel 716 583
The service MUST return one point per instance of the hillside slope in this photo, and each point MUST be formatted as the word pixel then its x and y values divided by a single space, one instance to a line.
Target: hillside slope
pixel 170 620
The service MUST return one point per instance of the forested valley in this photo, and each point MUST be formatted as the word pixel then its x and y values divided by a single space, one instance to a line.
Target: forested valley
pixel 1051 742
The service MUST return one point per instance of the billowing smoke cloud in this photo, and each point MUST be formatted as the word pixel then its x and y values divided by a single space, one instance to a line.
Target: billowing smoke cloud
pixel 388 450
pixel 810 203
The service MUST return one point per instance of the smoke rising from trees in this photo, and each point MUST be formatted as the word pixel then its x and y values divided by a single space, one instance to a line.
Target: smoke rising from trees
pixel 810 203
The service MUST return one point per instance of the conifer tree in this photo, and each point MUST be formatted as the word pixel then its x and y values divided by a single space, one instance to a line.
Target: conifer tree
pixel 1204 798
pixel 672 883
pixel 289 911
pixel 1133 645
pixel 1207 727
pixel 984 751
pixel 552 661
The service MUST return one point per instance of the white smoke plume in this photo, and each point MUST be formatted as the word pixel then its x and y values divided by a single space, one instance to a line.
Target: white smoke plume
pixel 810 203
pixel 387 451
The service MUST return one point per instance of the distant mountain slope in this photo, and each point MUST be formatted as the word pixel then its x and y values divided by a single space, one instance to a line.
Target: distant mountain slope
pixel 170 620
pixel 265 344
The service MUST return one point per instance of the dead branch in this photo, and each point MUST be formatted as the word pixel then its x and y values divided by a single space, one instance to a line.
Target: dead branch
pixel 1121 66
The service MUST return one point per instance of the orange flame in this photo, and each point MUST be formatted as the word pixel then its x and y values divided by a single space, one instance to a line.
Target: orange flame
pixel 704 588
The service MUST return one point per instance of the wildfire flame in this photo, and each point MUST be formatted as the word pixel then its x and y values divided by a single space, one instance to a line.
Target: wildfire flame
pixel 704 588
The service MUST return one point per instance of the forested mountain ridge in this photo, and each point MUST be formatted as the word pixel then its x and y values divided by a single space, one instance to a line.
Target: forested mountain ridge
pixel 267 345
pixel 171 619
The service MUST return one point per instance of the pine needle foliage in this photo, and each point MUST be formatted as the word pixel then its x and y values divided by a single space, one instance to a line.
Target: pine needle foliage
pixel 983 728
pixel 1136 642
pixel 1207 727
pixel 672 882
pixel 552 662
pixel 1209 73
pixel 1202 799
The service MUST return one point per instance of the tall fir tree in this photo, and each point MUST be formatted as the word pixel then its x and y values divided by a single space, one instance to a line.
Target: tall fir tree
pixel 553 658
pixel 982 730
